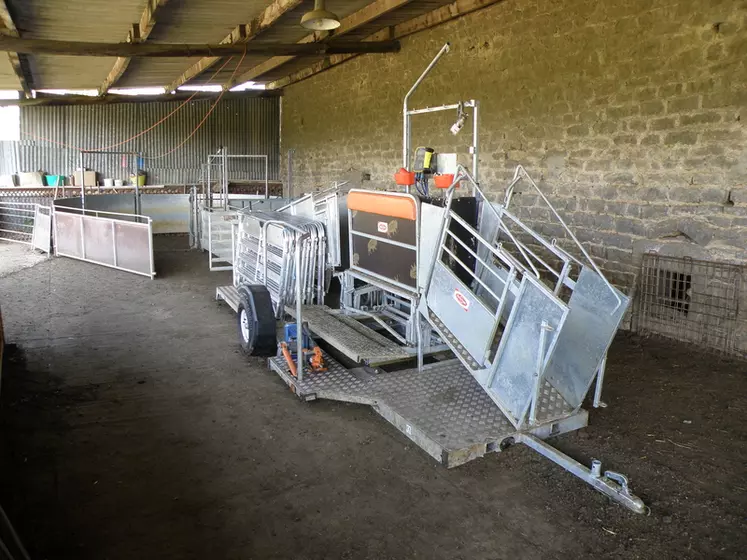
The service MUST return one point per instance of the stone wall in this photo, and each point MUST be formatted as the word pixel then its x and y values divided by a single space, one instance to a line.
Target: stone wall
pixel 631 113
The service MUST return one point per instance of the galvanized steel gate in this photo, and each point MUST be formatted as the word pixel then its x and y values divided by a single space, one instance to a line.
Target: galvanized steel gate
pixel 121 241
pixel 27 223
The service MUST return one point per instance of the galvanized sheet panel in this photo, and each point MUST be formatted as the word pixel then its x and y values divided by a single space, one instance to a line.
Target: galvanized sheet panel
pixel 97 240
pixel 51 138
pixel 170 212
pixel 513 385
pixel 68 239
pixel 133 247
pixel 464 315
pixel 587 334
pixel 42 229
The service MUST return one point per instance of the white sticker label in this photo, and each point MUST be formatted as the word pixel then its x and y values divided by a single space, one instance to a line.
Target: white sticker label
pixel 408 429
pixel 383 227
pixel 461 300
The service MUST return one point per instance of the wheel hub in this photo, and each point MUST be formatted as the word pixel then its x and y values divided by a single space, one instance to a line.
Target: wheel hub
pixel 244 322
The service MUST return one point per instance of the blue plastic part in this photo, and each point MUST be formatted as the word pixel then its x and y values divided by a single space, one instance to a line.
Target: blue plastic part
pixel 290 336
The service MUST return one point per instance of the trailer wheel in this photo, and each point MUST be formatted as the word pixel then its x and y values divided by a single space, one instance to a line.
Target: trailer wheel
pixel 256 321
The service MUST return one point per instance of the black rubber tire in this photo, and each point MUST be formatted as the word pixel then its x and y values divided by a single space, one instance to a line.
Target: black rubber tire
pixel 260 336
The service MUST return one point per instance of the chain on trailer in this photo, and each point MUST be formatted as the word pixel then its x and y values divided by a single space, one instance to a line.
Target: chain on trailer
pixel 457 322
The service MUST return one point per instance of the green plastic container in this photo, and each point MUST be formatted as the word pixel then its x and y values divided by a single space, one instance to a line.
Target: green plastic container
pixel 54 180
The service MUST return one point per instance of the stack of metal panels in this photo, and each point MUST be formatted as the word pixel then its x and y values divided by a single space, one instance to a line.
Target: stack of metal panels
pixel 327 207
pixel 265 254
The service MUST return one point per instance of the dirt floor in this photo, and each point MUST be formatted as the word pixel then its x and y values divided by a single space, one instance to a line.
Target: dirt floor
pixel 15 257
pixel 132 428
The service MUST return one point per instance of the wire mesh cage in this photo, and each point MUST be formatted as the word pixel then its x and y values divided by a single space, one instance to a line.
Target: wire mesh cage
pixel 690 300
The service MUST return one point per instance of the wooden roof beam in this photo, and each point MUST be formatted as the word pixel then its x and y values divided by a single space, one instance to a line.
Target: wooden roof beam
pixel 241 34
pixel 174 50
pixel 9 29
pixel 360 18
pixel 138 33
pixel 419 23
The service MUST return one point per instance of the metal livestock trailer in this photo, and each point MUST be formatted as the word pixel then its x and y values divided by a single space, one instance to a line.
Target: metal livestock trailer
pixel 458 323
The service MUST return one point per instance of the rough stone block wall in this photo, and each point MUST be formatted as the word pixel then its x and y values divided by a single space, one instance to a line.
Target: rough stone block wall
pixel 631 113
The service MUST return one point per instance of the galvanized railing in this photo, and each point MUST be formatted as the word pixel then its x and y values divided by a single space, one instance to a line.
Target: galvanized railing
pixel 17 221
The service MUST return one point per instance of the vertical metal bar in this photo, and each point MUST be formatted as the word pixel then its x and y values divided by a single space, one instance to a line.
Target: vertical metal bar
pixel 114 243
pixel 475 141
pixel 210 239
pixel 233 245
pixel 234 271
pixel 267 178
pixel 82 183
pixel 600 381
pixel 419 333
pixel 225 179
pixel 538 377
pixel 53 218
pixel 208 194
pixel 299 311
pixel 82 237
pixel 562 276
pixel 150 246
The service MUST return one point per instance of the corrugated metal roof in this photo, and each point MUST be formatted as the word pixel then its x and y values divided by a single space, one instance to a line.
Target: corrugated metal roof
pixel 195 21
pixel 82 20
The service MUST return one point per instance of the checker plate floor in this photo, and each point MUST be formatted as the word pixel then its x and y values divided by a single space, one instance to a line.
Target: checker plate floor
pixel 443 401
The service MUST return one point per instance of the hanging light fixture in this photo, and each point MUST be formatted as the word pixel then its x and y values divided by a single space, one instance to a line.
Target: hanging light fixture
pixel 320 19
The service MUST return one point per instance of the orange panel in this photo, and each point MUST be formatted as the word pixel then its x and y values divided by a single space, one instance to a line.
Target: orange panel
pixel 384 204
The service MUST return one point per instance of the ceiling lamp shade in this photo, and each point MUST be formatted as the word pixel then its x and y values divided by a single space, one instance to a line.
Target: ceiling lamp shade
pixel 320 19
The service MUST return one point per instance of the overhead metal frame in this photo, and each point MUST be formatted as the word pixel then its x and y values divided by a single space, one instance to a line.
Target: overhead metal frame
pixel 408 113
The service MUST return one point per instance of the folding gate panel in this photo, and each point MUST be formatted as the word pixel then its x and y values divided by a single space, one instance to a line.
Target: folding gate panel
pixel 125 244
pixel 520 359
pixel 42 229
pixel 594 317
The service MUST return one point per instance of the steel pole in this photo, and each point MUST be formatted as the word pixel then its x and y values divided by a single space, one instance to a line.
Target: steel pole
pixel 406 116
pixel 299 309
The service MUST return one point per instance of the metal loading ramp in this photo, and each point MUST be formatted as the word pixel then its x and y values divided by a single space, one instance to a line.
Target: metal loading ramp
pixel 352 338
pixel 442 409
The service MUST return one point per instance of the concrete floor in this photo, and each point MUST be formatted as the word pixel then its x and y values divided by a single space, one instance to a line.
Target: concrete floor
pixel 16 256
pixel 132 428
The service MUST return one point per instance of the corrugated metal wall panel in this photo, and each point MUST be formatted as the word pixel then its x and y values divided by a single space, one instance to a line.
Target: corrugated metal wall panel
pixel 244 126
pixel 9 160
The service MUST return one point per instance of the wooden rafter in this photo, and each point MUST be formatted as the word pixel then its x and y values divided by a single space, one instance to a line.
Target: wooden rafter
pixel 139 32
pixel 360 18
pixel 173 50
pixel 9 29
pixel 241 34
pixel 420 23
